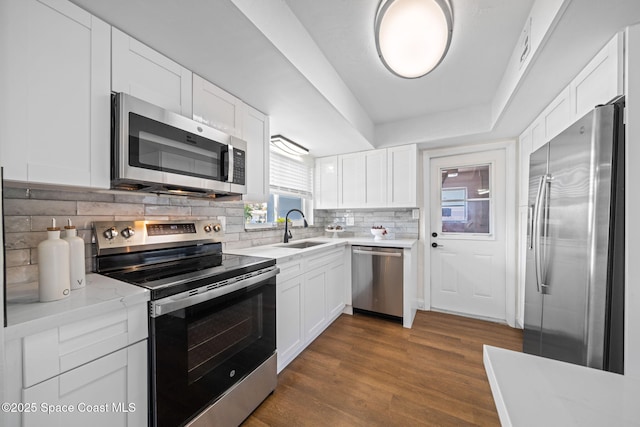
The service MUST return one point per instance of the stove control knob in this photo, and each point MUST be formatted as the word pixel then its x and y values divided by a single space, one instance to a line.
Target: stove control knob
pixel 110 233
pixel 127 232
pixel 208 228
pixel 217 228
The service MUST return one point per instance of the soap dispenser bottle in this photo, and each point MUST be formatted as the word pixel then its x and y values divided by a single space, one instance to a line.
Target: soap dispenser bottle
pixel 53 266
pixel 76 256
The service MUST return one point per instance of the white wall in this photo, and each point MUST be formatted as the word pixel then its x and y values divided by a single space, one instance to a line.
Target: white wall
pixel 632 208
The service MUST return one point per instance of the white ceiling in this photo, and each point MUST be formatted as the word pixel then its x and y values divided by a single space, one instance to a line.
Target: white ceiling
pixel 484 35
pixel 312 65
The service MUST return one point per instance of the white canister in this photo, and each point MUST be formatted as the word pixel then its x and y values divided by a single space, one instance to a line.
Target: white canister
pixel 53 266
pixel 76 256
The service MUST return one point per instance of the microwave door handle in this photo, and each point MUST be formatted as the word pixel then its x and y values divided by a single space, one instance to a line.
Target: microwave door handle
pixel 224 156
pixel 230 171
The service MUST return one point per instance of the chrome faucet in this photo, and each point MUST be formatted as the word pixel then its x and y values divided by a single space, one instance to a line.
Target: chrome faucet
pixel 287 233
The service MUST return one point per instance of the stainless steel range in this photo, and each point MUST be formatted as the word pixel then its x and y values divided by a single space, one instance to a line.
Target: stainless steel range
pixel 212 318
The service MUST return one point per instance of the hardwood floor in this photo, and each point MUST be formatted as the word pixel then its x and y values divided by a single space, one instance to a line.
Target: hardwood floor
pixel 365 371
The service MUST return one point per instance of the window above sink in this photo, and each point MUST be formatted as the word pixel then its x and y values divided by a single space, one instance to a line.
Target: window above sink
pixel 291 187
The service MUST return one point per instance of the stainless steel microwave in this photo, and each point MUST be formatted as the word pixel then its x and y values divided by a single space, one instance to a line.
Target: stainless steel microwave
pixel 159 151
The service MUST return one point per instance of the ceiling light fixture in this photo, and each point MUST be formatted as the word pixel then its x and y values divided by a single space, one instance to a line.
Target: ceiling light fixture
pixel 413 36
pixel 288 146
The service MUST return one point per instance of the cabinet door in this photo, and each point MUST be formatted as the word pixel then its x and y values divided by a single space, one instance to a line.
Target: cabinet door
pixel 351 180
pixel 54 117
pixel 525 151
pixel 315 319
pixel 290 331
pixel 326 183
pixel 256 133
pixel 216 108
pixel 146 74
pixel 601 80
pixel 557 116
pixel 336 289
pixel 523 226
pixel 402 176
pixel 110 391
pixel 375 178
pixel 538 134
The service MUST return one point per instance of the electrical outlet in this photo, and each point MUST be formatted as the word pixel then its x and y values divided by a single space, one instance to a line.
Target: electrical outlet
pixel 350 220
pixel 415 214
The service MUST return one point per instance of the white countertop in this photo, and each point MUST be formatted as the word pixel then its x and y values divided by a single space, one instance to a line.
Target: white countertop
pixel 101 295
pixel 536 391
pixel 281 253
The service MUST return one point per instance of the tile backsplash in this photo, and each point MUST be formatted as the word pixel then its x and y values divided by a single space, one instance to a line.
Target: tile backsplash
pixel 398 222
pixel 28 213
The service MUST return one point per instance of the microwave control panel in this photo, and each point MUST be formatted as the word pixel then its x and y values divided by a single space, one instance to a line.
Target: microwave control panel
pixel 239 166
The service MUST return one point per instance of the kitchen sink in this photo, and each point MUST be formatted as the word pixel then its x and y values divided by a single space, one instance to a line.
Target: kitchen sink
pixel 301 245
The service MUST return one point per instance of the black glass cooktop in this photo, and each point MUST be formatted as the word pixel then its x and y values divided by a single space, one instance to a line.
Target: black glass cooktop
pixel 169 272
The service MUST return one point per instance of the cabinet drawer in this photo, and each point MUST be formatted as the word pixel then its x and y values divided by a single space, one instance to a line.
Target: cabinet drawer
pixel 290 269
pixel 324 258
pixel 115 385
pixel 61 349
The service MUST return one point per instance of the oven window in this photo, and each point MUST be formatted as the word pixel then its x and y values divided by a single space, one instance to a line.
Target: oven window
pixel 201 351
pixel 219 336
pixel 157 146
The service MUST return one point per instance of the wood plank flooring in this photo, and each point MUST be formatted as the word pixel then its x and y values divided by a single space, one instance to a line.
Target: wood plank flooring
pixel 365 371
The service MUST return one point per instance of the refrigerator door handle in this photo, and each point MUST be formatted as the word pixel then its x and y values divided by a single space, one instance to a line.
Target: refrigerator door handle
pixel 537 232
pixel 531 218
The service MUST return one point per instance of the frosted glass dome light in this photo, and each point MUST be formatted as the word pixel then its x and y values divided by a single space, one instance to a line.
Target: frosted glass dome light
pixel 413 36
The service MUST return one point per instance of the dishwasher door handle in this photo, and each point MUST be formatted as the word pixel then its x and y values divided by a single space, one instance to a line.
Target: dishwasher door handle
pixel 389 254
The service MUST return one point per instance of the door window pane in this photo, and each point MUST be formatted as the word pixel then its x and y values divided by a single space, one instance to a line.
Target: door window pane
pixel 465 199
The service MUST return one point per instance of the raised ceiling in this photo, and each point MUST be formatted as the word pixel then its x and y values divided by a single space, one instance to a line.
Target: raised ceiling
pixel 312 65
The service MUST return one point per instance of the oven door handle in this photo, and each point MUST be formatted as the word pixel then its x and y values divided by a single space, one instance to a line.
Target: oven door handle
pixel 180 301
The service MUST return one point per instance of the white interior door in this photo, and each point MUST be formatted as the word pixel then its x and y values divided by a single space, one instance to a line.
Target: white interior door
pixel 468 234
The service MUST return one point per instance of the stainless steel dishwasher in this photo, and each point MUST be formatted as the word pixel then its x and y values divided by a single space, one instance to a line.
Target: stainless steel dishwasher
pixel 377 280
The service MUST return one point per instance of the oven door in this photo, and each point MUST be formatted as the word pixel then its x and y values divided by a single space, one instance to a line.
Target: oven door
pixel 200 351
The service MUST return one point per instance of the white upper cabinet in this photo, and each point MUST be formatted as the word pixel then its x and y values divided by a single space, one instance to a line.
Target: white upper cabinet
pixel 375 178
pixel 525 151
pixel 54 118
pixel 598 83
pixel 148 75
pixel 256 133
pixel 351 180
pixel 369 179
pixel 601 80
pixel 214 107
pixel 326 183
pixel 402 176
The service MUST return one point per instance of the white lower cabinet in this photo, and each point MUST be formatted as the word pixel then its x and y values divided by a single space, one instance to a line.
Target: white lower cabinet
pixel 289 320
pixel 88 372
pixel 336 284
pixel 110 391
pixel 310 296
pixel 315 313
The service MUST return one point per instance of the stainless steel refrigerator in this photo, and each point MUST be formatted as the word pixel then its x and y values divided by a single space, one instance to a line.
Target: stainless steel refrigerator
pixel 574 289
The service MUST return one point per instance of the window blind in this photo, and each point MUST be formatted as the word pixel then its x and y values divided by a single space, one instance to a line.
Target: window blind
pixel 290 175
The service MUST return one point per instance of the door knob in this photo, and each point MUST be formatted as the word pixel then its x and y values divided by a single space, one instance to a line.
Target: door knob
pixel 435 245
